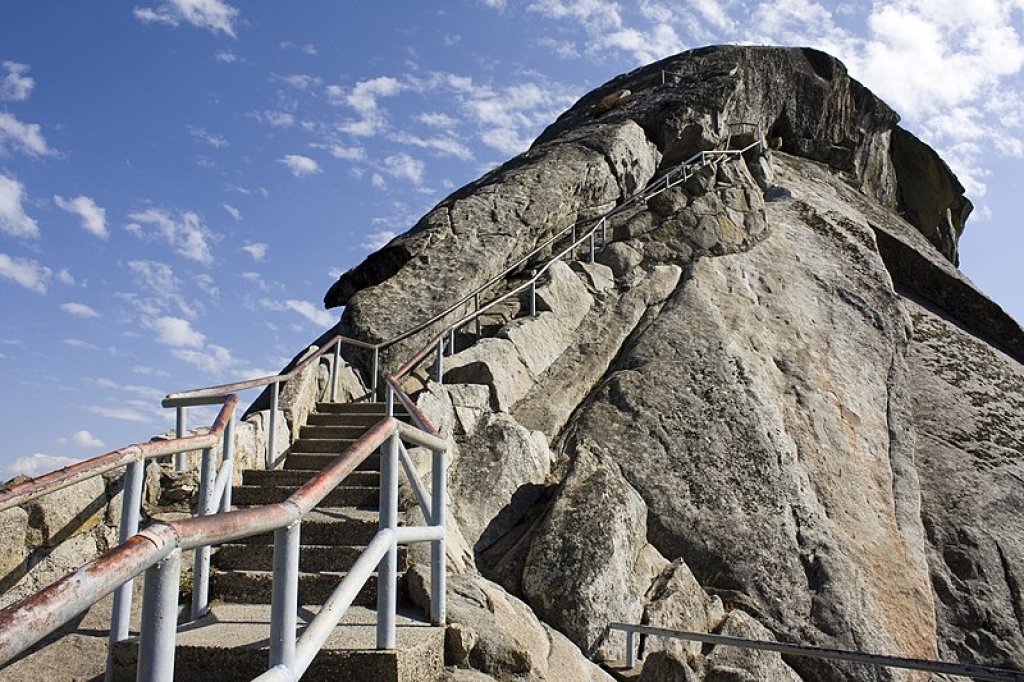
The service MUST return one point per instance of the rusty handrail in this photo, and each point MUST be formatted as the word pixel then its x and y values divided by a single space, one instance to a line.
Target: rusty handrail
pixel 25 622
pixel 27 491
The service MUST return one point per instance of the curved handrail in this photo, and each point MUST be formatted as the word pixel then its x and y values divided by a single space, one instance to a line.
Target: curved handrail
pixel 27 491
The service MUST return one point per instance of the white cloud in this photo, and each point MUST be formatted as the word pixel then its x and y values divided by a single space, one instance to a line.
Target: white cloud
pixel 233 212
pixel 226 57
pixel 200 133
pixel 213 359
pixel 28 273
pixel 120 413
pixel 317 316
pixel 188 234
pixel 78 309
pixel 405 167
pixel 15 86
pixel 363 97
pixel 64 276
pixel 258 251
pixel 94 218
pixel 157 276
pixel 354 154
pixel 213 15
pixel 444 146
pixel 377 240
pixel 175 331
pixel 299 81
pixel 300 165
pixel 37 465
pixel 437 120
pixel 276 119
pixel 13 219
pixel 79 343
pixel 86 440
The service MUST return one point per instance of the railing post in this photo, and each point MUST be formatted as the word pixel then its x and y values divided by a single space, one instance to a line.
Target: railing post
pixel 604 233
pixel 387 570
pixel 533 298
pixel 181 428
pixel 272 429
pixel 630 648
pixel 159 620
pixel 228 451
pixel 438 496
pixel 439 363
pixel 284 600
pixel 131 503
pixel 335 371
pixel 591 247
pixel 389 401
pixel 376 371
pixel 572 255
pixel 476 309
pixel 201 567
pixel 451 341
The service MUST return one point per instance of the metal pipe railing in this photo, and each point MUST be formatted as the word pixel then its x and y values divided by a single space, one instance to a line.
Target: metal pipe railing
pixel 978 672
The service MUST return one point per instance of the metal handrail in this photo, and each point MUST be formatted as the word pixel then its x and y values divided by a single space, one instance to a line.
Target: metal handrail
pixel 978 672
pixel 157 550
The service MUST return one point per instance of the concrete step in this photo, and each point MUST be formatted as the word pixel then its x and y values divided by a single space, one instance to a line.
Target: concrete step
pixel 256 587
pixel 343 496
pixel 345 432
pixel 312 558
pixel 333 446
pixel 330 526
pixel 296 477
pixel 230 644
pixel 316 461
pixel 342 419
pixel 359 408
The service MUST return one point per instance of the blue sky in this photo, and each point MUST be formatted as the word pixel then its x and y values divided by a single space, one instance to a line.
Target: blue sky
pixel 182 180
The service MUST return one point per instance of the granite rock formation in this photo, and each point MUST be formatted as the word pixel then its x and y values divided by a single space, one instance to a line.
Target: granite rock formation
pixel 771 407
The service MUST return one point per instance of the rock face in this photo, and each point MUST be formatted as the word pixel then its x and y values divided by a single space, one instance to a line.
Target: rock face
pixel 772 407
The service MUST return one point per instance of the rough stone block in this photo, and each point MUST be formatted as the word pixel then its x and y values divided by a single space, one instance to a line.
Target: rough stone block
pixel 495 363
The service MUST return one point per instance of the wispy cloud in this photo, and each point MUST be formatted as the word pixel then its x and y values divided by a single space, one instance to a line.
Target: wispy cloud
pixel 26 138
pixel 363 98
pixel 94 218
pixel 258 251
pixel 212 15
pixel 26 272
pixel 15 86
pixel 299 81
pixel 187 232
pixel 300 165
pixel 83 439
pixel 126 414
pixel 79 343
pixel 235 214
pixel 226 57
pixel 213 359
pixel 13 219
pixel 175 331
pixel 405 167
pixel 377 240
pixel 317 316
pixel 444 146
pixel 200 133
pixel 78 309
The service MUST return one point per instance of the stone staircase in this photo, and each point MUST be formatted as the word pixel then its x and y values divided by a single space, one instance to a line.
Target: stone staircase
pixel 230 643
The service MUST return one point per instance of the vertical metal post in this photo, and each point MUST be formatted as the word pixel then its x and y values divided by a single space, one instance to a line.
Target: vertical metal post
pixel 131 503
pixel 159 616
pixel 376 371
pixel 533 298
pixel 389 401
pixel 439 363
pixel 476 308
pixel 228 450
pixel 572 254
pixel 604 233
pixel 201 567
pixel 451 341
pixel 387 570
pixel 591 247
pixel 284 600
pixel 335 371
pixel 438 496
pixel 272 430
pixel 630 648
pixel 182 427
